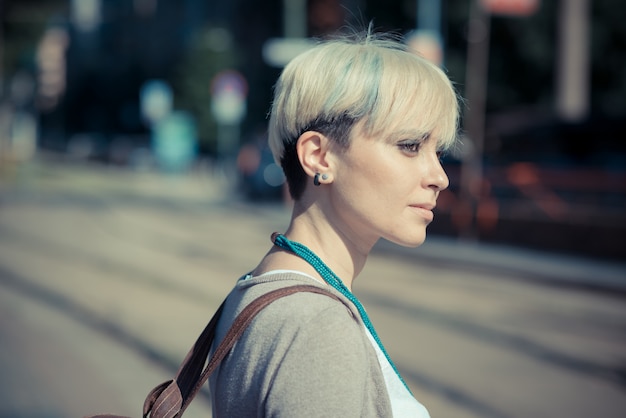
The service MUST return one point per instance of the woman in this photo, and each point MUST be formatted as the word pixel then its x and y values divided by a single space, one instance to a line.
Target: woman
pixel 357 126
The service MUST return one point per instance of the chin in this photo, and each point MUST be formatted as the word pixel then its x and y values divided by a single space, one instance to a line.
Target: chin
pixel 408 241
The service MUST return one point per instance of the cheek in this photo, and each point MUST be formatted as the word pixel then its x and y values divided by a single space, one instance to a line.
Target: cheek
pixel 373 183
pixel 363 171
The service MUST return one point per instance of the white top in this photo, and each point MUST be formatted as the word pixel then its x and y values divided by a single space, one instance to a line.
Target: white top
pixel 403 404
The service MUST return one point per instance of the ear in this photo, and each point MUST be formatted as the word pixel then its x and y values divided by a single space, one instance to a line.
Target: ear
pixel 313 152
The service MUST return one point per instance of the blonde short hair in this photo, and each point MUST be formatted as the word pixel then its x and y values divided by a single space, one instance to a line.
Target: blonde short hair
pixel 362 78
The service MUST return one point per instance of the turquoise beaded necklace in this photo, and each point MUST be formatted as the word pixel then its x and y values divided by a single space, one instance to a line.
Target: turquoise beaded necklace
pixel 331 278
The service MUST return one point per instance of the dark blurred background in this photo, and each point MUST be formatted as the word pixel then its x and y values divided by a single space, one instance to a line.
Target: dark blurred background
pixel 170 84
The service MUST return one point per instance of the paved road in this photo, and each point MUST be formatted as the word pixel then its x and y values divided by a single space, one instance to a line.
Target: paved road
pixel 106 278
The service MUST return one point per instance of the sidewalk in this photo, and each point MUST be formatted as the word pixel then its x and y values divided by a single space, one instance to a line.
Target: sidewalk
pixel 524 263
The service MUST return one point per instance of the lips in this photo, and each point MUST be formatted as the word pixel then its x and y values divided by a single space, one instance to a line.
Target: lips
pixel 425 211
pixel 427 206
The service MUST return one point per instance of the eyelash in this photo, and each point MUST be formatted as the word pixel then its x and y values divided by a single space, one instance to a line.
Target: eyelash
pixel 410 147
pixel 414 148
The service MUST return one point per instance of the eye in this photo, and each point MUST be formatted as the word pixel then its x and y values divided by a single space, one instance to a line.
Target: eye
pixel 410 147
pixel 441 155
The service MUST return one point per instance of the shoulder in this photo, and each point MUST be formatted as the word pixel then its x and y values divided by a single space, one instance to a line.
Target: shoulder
pixel 299 314
pixel 305 306
pixel 300 305
pixel 302 341
pixel 309 333
pixel 323 316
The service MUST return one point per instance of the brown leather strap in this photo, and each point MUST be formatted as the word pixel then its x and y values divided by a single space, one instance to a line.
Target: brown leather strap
pixel 171 398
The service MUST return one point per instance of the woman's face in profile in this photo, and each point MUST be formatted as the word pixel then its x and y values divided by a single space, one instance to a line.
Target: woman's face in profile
pixel 387 187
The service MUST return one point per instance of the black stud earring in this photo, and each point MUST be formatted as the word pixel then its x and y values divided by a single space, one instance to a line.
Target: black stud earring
pixel 316 179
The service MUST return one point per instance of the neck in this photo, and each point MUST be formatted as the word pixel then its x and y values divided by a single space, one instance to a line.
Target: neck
pixel 345 257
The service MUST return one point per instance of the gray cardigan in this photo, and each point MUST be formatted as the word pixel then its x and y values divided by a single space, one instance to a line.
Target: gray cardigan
pixel 305 355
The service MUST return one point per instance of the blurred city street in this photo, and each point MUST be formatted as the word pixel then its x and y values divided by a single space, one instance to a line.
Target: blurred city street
pixel 108 275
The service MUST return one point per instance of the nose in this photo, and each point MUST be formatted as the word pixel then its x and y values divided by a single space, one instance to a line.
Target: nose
pixel 437 178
